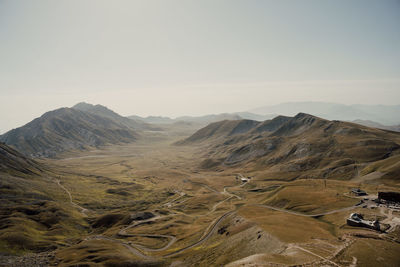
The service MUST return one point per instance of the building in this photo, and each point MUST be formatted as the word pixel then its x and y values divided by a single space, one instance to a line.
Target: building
pixel 389 197
pixel 358 192
pixel 357 220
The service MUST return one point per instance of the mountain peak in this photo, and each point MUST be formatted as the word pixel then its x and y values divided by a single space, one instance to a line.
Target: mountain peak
pixel 301 115
pixel 307 118
pixel 65 129
pixel 83 106
pixel 96 109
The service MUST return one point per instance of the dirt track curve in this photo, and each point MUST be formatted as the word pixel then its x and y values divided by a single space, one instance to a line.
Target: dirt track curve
pixel 138 250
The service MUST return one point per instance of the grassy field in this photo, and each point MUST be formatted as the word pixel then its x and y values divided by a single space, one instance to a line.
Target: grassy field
pixel 152 203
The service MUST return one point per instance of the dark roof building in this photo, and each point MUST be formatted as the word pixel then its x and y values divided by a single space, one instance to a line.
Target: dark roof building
pixel 389 196
pixel 358 192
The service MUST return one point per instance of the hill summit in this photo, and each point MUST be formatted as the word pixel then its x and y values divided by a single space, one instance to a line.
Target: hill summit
pixel 65 129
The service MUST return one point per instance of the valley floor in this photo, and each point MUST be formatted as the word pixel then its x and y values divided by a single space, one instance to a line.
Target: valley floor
pixel 149 203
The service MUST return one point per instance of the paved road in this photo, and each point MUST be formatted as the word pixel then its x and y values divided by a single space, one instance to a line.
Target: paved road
pixel 215 224
pixel 207 234
pixel 125 244
pixel 137 249
pixel 171 238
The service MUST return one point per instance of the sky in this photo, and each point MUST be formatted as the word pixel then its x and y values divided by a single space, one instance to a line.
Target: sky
pixel 174 58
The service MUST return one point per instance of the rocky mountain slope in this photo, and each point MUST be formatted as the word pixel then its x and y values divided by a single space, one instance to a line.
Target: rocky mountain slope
pixel 13 162
pixel 71 128
pixel 220 129
pixel 105 112
pixel 299 147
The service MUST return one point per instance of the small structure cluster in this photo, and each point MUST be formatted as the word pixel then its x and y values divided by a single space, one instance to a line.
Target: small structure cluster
pixel 390 199
pixel 242 178
pixel 357 220
pixel 393 197
pixel 358 192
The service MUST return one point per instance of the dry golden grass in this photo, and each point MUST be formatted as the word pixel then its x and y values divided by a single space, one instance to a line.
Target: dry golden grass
pixel 287 227
pixel 118 181
pixel 372 252
pixel 312 197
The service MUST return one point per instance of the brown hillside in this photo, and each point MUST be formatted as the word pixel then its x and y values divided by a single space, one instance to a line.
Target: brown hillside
pixel 221 129
pixel 68 129
pixel 13 162
pixel 302 146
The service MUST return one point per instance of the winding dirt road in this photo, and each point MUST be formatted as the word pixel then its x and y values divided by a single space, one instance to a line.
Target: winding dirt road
pixel 171 238
pixel 207 233
pixel 204 238
pixel 82 209
pixel 316 255
pixel 139 250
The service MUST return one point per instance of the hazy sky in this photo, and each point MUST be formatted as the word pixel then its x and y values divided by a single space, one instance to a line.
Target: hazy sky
pixel 194 57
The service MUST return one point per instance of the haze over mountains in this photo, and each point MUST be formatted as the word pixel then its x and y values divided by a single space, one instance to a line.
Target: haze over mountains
pixel 86 125
pixel 379 116
pixel 202 120
pixel 378 125
pixel 384 114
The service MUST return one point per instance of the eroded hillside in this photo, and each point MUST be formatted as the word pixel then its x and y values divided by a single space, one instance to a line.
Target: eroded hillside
pixel 304 146
pixel 67 129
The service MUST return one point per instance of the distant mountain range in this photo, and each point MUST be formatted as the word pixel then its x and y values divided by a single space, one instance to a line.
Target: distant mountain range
pixel 78 127
pixel 374 124
pixel 378 116
pixel 203 120
pixel 299 147
pixel 383 114
pixel 85 125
